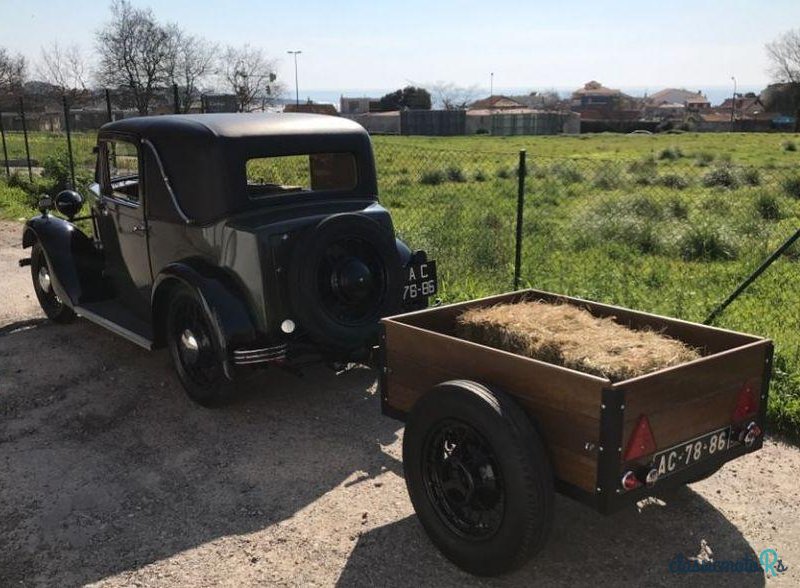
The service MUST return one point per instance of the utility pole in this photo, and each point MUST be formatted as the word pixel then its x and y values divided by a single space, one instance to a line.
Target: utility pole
pixel 491 84
pixel 733 102
pixel 296 86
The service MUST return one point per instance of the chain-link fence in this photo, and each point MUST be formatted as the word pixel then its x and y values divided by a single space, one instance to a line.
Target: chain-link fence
pixel 664 233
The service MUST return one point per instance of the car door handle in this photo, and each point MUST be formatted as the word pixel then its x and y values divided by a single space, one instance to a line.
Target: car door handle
pixel 140 229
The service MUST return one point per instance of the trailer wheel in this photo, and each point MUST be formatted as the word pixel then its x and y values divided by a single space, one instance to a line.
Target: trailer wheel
pixel 478 476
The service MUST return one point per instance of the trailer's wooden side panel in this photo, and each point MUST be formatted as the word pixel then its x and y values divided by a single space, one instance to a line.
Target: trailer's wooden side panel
pixel 564 404
pixel 695 398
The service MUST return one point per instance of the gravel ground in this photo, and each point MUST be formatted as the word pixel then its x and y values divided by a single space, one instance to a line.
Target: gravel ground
pixel 110 476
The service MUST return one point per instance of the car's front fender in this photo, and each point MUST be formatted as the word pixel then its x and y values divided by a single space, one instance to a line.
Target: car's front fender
pixel 75 263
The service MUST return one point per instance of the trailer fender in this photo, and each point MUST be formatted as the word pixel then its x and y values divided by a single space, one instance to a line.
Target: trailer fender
pixel 75 263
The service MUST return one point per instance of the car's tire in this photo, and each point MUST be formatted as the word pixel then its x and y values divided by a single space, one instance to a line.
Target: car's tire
pixel 478 476
pixel 195 351
pixel 41 274
pixel 345 274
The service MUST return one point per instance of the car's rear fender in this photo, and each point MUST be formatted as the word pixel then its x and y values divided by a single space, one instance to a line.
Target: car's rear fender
pixel 222 299
pixel 75 263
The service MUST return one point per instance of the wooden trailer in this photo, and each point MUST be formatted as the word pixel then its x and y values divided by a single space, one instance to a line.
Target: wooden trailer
pixel 607 444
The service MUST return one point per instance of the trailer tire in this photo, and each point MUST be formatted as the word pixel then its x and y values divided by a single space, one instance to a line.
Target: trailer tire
pixel 478 476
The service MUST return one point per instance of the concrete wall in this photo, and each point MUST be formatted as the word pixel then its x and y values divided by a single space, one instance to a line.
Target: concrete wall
pixel 384 123
pixel 442 123
pixel 534 123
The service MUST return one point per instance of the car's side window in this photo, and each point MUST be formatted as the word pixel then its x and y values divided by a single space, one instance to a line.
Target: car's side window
pixel 122 170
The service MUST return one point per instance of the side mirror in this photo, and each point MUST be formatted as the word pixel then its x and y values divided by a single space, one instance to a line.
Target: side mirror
pixel 69 203
pixel 45 203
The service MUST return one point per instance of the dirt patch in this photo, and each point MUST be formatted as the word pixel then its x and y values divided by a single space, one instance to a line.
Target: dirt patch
pixel 565 335
pixel 109 476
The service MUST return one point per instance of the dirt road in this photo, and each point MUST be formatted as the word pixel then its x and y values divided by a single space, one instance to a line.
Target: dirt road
pixel 110 476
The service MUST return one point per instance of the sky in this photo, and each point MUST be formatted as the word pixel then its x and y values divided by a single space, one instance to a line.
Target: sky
pixel 532 44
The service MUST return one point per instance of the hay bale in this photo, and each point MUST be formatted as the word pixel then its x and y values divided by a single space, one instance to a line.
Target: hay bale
pixel 572 337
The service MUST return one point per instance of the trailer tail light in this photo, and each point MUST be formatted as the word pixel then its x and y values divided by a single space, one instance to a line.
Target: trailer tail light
pixel 746 404
pixel 642 441
pixel 630 481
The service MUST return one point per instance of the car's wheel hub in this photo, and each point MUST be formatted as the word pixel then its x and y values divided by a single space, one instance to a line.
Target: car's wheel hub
pixel 44 279
pixel 190 345
pixel 353 280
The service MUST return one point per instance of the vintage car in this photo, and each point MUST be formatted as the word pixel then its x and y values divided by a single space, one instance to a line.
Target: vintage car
pixel 235 240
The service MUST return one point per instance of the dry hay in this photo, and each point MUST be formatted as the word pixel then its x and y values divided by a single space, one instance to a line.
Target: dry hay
pixel 572 337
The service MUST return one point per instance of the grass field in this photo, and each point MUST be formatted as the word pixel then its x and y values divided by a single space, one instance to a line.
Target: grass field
pixel 665 223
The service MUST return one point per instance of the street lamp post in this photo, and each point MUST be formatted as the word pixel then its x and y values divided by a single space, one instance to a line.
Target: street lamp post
pixel 296 87
pixel 491 84
pixel 733 102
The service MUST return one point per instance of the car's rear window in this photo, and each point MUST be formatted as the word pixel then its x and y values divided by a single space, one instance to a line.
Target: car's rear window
pixel 289 174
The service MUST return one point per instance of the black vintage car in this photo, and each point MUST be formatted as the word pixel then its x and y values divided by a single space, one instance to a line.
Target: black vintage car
pixel 235 240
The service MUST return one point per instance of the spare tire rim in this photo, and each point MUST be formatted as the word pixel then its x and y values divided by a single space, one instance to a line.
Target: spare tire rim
pixel 351 277
pixel 463 480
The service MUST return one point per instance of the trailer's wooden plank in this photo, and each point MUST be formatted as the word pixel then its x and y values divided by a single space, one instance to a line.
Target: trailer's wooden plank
pixel 574 468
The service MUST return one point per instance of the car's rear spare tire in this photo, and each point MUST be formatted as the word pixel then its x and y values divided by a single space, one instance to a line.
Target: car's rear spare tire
pixel 345 275
pixel 478 477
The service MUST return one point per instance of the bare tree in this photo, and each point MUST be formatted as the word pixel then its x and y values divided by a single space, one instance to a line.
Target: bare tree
pixel 784 58
pixel 250 76
pixel 134 50
pixel 190 62
pixel 12 71
pixel 65 68
pixel 453 97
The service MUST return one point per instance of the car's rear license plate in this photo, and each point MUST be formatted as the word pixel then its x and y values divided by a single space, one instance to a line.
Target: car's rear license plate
pixel 688 453
pixel 420 281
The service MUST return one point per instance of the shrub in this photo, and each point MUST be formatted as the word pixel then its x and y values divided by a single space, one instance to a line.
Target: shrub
pixel 56 170
pixel 456 174
pixel 432 177
pixel 567 173
pixel 751 177
pixel 479 176
pixel 503 173
pixel 703 159
pixel 646 165
pixel 607 178
pixel 670 154
pixel 792 186
pixel 674 181
pixel 789 146
pixel 706 243
pixel 768 206
pixel 677 208
pixel 722 177
pixel 644 207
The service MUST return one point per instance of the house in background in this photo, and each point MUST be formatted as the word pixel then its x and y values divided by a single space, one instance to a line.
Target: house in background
pixel 496 103
pixel 358 105
pixel 312 108
pixel 679 96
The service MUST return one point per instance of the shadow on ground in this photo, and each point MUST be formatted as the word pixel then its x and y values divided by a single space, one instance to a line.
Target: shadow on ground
pixel 105 466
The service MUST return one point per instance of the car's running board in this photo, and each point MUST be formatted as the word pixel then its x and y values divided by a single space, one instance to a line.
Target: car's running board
pixel 114 327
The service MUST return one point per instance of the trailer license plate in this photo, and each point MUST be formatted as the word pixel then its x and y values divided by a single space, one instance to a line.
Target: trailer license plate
pixel 688 453
pixel 420 281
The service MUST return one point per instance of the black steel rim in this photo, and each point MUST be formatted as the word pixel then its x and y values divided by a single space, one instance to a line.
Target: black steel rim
pixel 351 280
pixel 200 365
pixel 463 480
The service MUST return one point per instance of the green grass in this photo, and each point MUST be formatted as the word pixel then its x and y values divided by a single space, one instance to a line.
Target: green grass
pixel 664 223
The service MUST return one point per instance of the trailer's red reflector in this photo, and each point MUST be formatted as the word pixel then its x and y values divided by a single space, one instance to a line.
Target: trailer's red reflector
pixel 642 441
pixel 746 404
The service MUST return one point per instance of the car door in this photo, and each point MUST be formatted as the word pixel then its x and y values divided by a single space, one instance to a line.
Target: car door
pixel 123 224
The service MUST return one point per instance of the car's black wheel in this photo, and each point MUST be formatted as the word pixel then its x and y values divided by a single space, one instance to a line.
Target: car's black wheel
pixel 196 352
pixel 478 476
pixel 345 275
pixel 51 304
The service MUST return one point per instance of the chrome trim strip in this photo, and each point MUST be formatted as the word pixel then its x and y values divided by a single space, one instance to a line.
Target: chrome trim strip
pixel 114 328
pixel 164 177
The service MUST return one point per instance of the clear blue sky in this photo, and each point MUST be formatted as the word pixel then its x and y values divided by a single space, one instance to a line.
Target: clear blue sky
pixel 380 44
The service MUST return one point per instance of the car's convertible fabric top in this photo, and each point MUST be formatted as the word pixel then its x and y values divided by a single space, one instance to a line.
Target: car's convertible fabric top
pixel 204 155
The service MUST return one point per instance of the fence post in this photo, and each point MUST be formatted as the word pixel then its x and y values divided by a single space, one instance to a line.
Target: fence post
pixel 108 106
pixel 202 103
pixel 176 99
pixel 25 135
pixel 69 141
pixel 521 172
pixel 5 148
